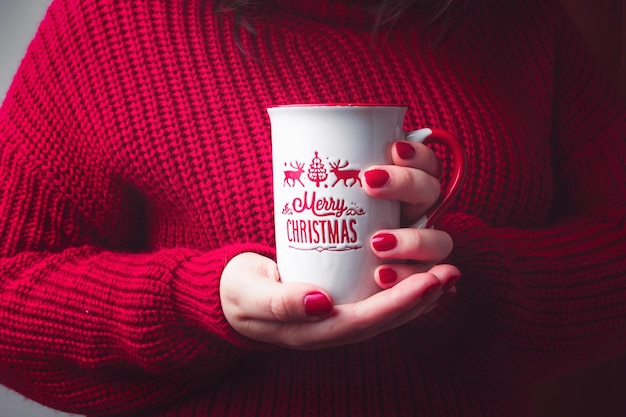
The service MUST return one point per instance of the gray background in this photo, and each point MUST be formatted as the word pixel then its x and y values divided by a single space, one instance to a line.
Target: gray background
pixel 18 22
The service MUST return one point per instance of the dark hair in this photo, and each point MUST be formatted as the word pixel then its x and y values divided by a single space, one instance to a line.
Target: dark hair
pixel 384 12
pixel 388 11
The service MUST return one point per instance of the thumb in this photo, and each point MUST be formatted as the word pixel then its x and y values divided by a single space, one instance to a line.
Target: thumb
pixel 251 290
pixel 294 302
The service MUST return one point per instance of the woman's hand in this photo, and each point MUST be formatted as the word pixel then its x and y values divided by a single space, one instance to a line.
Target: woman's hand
pixel 302 316
pixel 414 180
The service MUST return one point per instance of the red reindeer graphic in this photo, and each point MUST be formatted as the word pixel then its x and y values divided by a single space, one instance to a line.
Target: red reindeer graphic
pixel 294 175
pixel 345 174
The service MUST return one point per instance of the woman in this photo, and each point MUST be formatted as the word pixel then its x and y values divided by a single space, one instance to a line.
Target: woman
pixel 136 217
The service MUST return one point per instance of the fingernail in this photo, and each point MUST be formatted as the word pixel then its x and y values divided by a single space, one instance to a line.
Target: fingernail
pixel 387 275
pixel 384 242
pixel 317 304
pixel 376 178
pixel 451 283
pixel 405 150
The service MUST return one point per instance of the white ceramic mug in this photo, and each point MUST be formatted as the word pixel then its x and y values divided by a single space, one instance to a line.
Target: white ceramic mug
pixel 324 220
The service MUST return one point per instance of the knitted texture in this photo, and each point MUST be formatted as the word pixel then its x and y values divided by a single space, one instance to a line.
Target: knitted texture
pixel 135 162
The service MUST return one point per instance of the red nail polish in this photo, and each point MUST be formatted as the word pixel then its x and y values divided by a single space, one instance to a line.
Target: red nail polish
pixel 384 242
pixel 387 276
pixel 405 150
pixel 317 304
pixel 451 283
pixel 376 178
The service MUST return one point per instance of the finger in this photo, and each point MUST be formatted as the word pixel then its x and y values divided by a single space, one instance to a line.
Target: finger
pixel 422 245
pixel 426 304
pixel 409 185
pixel 416 155
pixel 255 293
pixel 388 275
pixel 352 323
pixel 405 302
pixel 288 303
pixel 448 276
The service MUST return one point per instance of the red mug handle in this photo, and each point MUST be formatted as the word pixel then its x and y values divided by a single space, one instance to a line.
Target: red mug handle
pixel 457 178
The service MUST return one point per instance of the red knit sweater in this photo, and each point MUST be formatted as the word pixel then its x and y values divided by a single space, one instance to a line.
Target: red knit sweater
pixel 135 162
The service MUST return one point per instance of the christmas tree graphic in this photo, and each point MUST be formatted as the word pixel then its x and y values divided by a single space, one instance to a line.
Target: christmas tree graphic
pixel 317 172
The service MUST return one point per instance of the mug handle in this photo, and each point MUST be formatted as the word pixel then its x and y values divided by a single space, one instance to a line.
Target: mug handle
pixel 457 178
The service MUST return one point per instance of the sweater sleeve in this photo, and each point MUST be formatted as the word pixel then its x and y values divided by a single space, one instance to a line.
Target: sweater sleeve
pixel 92 320
pixel 538 303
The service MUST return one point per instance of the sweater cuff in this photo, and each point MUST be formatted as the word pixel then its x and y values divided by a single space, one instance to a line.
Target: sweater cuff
pixel 196 285
pixel 471 241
